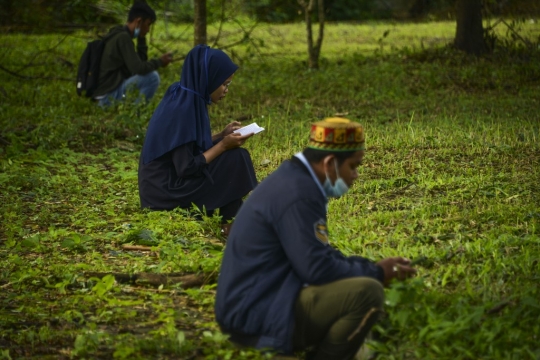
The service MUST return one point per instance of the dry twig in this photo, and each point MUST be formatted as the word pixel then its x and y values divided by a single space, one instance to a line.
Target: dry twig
pixel 186 280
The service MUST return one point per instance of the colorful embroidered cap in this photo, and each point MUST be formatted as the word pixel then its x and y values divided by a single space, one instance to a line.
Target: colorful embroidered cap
pixel 337 134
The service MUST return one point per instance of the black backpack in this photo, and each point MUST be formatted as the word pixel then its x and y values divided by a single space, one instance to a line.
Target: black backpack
pixel 88 73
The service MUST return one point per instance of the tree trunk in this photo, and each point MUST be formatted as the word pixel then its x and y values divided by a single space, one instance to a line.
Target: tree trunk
pixel 313 50
pixel 200 21
pixel 469 30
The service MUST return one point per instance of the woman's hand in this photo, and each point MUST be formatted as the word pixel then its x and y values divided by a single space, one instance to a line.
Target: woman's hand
pixel 396 268
pixel 230 128
pixel 229 142
pixel 234 140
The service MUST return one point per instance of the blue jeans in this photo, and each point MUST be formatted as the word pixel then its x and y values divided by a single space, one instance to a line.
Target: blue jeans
pixel 146 84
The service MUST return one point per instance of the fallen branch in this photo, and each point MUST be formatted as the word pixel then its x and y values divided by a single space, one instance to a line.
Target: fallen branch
pixel 136 247
pixel 186 280
pixel 496 309
pixel 4 141
pixel 244 117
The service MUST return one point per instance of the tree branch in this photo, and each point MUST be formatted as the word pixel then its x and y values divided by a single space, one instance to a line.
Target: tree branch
pixel 17 73
pixel 34 77
pixel 511 28
pixel 247 34
pixel 23 67
pixel 221 21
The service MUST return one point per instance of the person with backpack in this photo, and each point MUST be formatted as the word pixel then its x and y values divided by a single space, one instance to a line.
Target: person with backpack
pixel 121 67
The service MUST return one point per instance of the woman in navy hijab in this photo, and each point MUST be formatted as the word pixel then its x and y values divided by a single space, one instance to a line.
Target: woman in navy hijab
pixel 182 163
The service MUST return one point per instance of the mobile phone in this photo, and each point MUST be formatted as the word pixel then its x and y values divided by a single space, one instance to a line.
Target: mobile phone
pixel 418 261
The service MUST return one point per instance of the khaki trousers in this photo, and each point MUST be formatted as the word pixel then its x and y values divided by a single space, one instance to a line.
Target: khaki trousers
pixel 332 320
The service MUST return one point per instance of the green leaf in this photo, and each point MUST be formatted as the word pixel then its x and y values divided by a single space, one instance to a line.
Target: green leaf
pixel 181 338
pixel 68 243
pixel 31 242
pixel 393 296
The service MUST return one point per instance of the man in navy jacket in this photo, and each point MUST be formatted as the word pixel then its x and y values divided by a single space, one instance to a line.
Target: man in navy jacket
pixel 281 285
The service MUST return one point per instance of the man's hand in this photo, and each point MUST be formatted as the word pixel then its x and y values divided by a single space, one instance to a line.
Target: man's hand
pixel 230 128
pixel 232 141
pixel 396 268
pixel 166 59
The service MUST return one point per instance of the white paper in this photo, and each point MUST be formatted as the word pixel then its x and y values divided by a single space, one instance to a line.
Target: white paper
pixel 251 128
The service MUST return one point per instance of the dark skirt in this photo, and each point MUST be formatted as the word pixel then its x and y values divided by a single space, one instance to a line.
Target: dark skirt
pixel 227 179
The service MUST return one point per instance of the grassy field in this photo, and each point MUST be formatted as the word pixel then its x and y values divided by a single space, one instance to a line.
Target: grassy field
pixel 451 173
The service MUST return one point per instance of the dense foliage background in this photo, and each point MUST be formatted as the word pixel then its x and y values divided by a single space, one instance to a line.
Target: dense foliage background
pixel 47 15
pixel 451 173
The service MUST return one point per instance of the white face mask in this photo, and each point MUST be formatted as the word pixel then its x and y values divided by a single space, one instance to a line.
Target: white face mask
pixel 339 188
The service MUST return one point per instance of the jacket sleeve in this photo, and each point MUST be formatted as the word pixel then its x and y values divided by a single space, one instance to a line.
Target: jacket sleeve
pixel 133 62
pixel 142 49
pixel 301 230
pixel 186 163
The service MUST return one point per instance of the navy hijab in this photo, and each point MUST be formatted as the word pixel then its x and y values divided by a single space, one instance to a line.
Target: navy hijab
pixel 182 115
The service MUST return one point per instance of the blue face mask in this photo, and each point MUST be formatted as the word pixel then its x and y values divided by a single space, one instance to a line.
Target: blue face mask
pixel 136 32
pixel 338 189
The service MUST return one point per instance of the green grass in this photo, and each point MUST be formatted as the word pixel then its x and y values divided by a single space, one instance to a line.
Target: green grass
pixel 451 173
